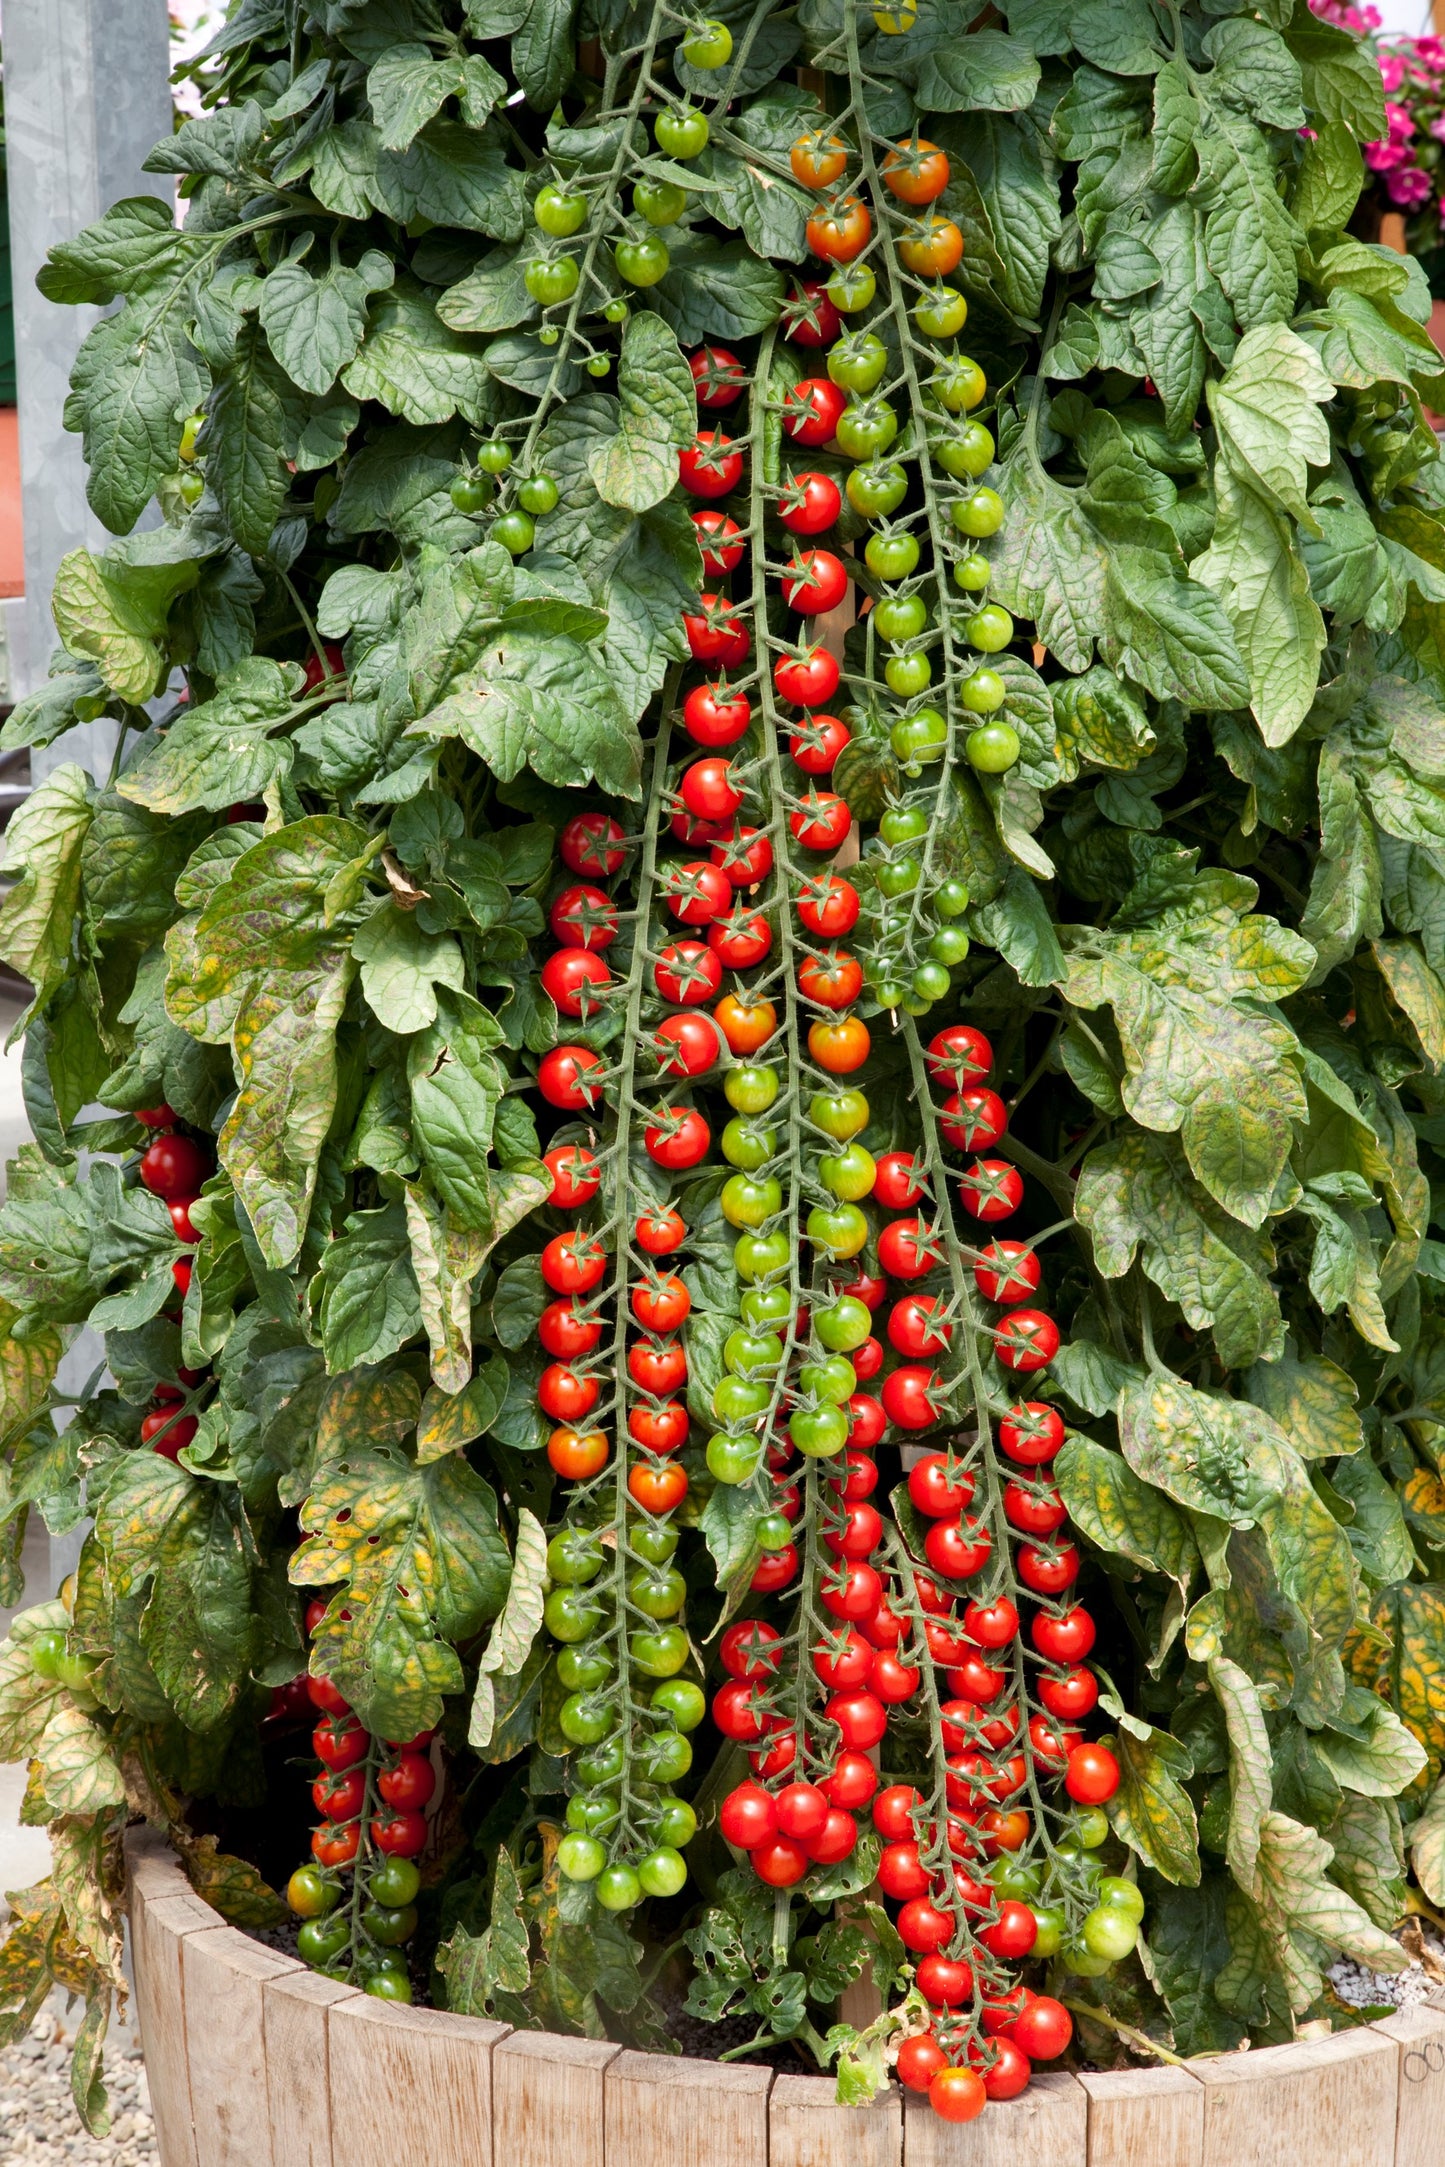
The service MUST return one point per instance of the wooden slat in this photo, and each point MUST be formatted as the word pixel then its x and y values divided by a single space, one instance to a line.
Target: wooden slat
pixel 416 2070
pixel 294 2012
pixel 222 1974
pixel 1321 2103
pixel 1419 2033
pixel 1145 2118
pixel 666 2113
pixel 153 1869
pixel 158 1927
pixel 547 2099
pixel 807 2128
pixel 1049 2122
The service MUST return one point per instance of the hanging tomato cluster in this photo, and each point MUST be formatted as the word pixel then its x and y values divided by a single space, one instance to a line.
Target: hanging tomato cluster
pixel 173 1166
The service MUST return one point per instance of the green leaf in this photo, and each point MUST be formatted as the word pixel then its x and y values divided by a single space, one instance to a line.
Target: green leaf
pixel 106 619
pixel 369 1304
pixel 1018 925
pixel 712 292
pixel 315 325
pixel 1369 1860
pixel 1004 195
pixel 135 246
pixel 1330 179
pixel 1267 413
pixel 493 297
pixel 416 366
pixel 402 967
pixel 407 87
pixel 135 379
pixel 1341 80
pixel 1251 1791
pixel 1344 901
pixel 1123 1515
pixel 449 175
pixel 424 1564
pixel 220 750
pixel 42 854
pixel 1151 1810
pixel 987 72
pixel 248 419
pixel 260 969
pixel 658 417
pixel 1049 563
pixel 1249 236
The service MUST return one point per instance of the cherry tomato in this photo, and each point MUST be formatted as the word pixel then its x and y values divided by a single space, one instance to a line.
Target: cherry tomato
pixel 583 917
pixel 565 1396
pixel 718 376
pixel 991 1189
pixel 720 540
pixel 744 854
pixel 711 466
pixel 180 1211
pixel 912 1331
pixel 686 1045
pixel 867 1421
pixel 336 1844
pixel 1065 1639
pixel 1043 2028
pixel 853 1781
pixel 923 1927
pixel 714 714
pixel 841 230
pixel 1070 1697
pixel 807 678
pixel 717 632
pixel 809 316
pixel 1051 1746
pixel 817 742
pixel 696 892
pixel 750 1649
pixel 1008 1272
pixel 576 1176
pixel 916 172
pixel 340 1796
pixel 571 978
pixel 940 1489
pixel 1047 1573
pixel 1092 1775
pixel 408 1783
pixel 657 1489
pixel 812 410
pixel 1008 2074
pixel 591 843
pixel 945 1981
pixel 573 1263
pixel 973 1120
pixel 860 1716
pixel 840 1045
pixel 977 1681
pixel 771 1573
pixel 897 1182
pixel 907 1397
pixel 677 1138
pixel 958 1548
pixel 157 1117
pixel 687 972
pixel 852 1592
pixel 741 939
pixel 399 1835
pixel 340 1742
pixel 891 1680
pixel 168 1433
pixel 920 2058
pixel 835 1840
pixel 932 246
pixel 659 1429
pixel 908 1248
pixel 781 1863
pixel 958 1056
pixel 993 1625
pixel 661 1302
pixel 809 503
pixel 828 906
pixel 709 789
pixel 818 159
pixel 746 1025
pixel 173 1166
pixel 1033 1512
pixel 832 980
pixel 868 1359
pixel 1026 1340
pixel 565 1332
pixel 748 1818
pixel 813 581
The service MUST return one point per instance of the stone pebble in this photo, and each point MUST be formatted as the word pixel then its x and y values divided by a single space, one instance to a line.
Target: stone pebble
pixel 39 2126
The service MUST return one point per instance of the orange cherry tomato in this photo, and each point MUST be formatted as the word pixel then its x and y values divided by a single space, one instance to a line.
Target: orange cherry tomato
pixel 833 981
pixel 657 1489
pixel 337 1843
pixel 842 229
pixel 932 246
pixel 839 1044
pixel 916 172
pixel 1004 1829
pixel 577 1454
pixel 745 1025
pixel 818 159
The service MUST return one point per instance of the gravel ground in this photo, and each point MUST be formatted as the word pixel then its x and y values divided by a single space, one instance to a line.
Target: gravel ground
pixel 38 2122
pixel 1422 1976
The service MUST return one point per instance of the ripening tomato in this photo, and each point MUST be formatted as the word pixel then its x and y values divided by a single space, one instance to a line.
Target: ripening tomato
pixel 832 980
pixel 565 1332
pixel 809 503
pixel 744 854
pixel 1071 1697
pixel 336 1844
pixel 592 843
pixel 576 1176
pixel 711 465
pixel 812 409
pixel 907 1397
pixel 814 580
pixel 340 1796
pixel 696 892
pixel 1031 1432
pixel 1092 1775
pixel 658 1489
pixel 741 939
pixel 659 1429
pixel 571 979
pixel 807 678
pixel 565 1396
pixel 1065 1639
pixel 939 1485
pixel 810 318
pixel 912 1330
pixel 564 1078
pixel 714 714
pixel 661 1302
pixel 839 1044
pixel 1007 1272
pixel 1047 1572
pixel 817 742
pixel 1026 1340
pixel 932 246
pixel 916 172
pixel 991 1189
pixel 920 2058
pixel 841 230
pixel 573 1263
pixel 973 1120
pixel 958 1056
pixel 583 917
pixel 677 1138
pixel 818 159
pixel 746 1025
pixel 909 1248
pixel 718 376
pixel 173 1166
pixel 687 972
pixel 408 1783
pixel 721 541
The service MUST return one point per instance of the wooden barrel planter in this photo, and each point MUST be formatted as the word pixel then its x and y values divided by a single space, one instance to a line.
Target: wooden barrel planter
pixel 255 2061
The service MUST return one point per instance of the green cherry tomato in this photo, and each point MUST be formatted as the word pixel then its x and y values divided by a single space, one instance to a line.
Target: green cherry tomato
pixel 851 288
pixel 663 1872
pixel 750 1089
pixel 642 263
pixel 983 692
pixel 574 1556
pixel 681 132
pixel 848 1174
pixel 709 46
pixel 818 1432
pixel 834 1380
pixel 658 1654
pixel 388 1924
pixel 592 1815
pixel 760 1256
pixel 940 312
pixel 889 992
pixel 992 748
pixel 959 384
pixel 585 1720
pixel 538 493
pixel 571 1613
pixel 559 211
pixel 739 1399
pixel 1015 1878
pixel 679 1698
pixel 582 1669
pixel 661 203
pixel 839 1231
pixel 675 1823
pixel 866 429
pixel 665 1757
pixel 900 616
pixel 494 457
pixel 897 876
pixel 580 1858
pixel 903 824
pixel 616 311
pixel 748 1202
pixel 972 573
pixel 551 279
pixel 471 493
pixel 752 1354
pixel 1080 1959
pixel 766 1308
pixel 655 1545
pixel 891 554
pixel 989 629
pixel 845 1323
pixel 320 1940
pixel 394 1883
pixel 388 1986
pixel 1051 1921
pixel 548 334
pixel 743 1144
pixel 1121 1895
pixel 979 515
pixel 598 364
pixel 908 674
pixel 975 449
pixel 951 900
pixel 658 1591
pixel 949 944
pixel 604 1765
pixel 774 1531
pixel 309 1894
pixel 919 737
pixel 390 1963
pixel 1110 1932
pixel 1091 1827
pixel 858 360
pixel 930 982
pixel 876 489
pixel 733 1459
pixel 515 532
pixel 47 1652
pixel 840 1114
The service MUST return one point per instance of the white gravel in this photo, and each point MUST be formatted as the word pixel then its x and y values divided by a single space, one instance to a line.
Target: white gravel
pixel 39 2126
pixel 1421 1977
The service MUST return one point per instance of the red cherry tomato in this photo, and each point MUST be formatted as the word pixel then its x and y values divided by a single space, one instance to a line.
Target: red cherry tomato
pixel 564 1078
pixel 893 1812
pixel 959 1056
pixel 157 1117
pixel 940 1486
pixel 575 1455
pixel 772 1572
pixel 744 1650
pixel 1071 1697
pixel 920 2058
pixel 867 1421
pixel 958 1548
pixel 1026 1340
pixel 709 788
pixel 945 1981
pixel 992 1625
pixel 583 917
pixel 718 376
pixel 908 1397
pixel 1009 1272
pixel 853 1781
pixel 713 714
pixel 977 1681
pixel 687 972
pixel 677 1139
pixel 716 632
pixel 576 1176
pixel 892 1681
pixel 807 678
pixel 1065 1639
pixel 922 1927
pixel 167 1433
pixel 572 979
pixel 802 1809
pixel 859 1535
pixel 909 1248
pixel 973 1120
pixel 835 1840
pixel 741 939
pixel 744 854
pixel 1031 1432
pixel 861 1717
pixel 898 1182
pixel 902 1874
pixel 173 1166
pixel 916 1326
pixel 711 465
pixel 1033 1511
pixel 781 1863
pixel 696 892
pixel 821 820
pixel 809 503
pixel 565 1396
pixel 399 1835
pixel 659 1429
pixel 659 1231
pixel 336 1844
pixel 1092 1775
pixel 1008 2074
pixel 991 1189
pixel 853 1591
pixel 573 1263
pixel 661 1303
pixel 592 843
pixel 1047 1572
pixel 1051 1745
pixel 721 541
pixel 408 1783
pixel 686 1045
pixel 1013 1933
pixel 747 1817
pixel 323 1694
pixel 340 1742
pixel 811 318
pixel 817 742
pixel 1043 2029
pixel 740 1712
pixel 180 1211
pixel 813 581
pixel 566 1333
pixel 811 410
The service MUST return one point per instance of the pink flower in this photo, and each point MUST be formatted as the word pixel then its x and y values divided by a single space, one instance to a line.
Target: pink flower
pixel 1409 189
pixel 1401 120
pixel 1392 71
pixel 1430 52
pixel 1437 127
pixel 1385 157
